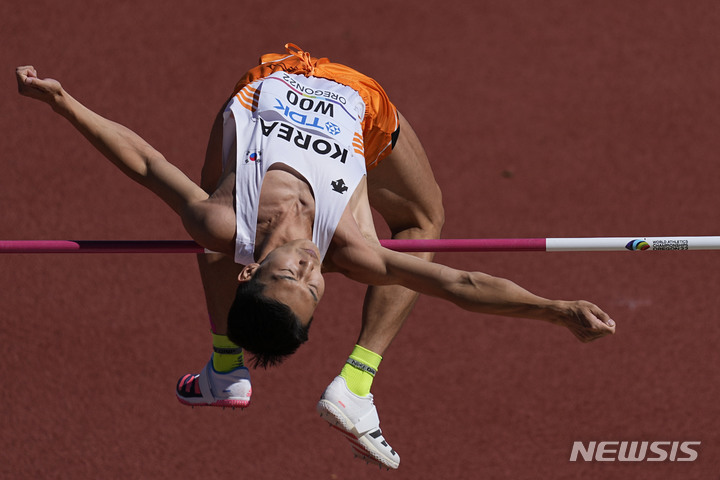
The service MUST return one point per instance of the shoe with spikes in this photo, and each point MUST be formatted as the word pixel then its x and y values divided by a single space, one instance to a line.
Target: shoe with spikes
pixel 357 419
pixel 210 388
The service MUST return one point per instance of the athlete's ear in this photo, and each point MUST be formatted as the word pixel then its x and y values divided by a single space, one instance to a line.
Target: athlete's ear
pixel 248 272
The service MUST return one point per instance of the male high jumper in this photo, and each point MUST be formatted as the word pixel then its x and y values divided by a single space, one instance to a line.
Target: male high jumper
pixel 296 157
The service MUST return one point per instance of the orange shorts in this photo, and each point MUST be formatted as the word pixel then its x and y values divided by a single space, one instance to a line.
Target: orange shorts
pixel 380 125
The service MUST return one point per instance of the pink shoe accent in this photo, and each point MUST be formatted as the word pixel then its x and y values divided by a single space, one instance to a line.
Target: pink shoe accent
pixel 213 389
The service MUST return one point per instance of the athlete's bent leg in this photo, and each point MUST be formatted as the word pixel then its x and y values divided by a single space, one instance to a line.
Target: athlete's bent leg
pixel 225 381
pixel 403 190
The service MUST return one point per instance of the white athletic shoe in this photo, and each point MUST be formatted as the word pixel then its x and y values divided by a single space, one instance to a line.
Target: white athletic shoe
pixel 213 389
pixel 356 417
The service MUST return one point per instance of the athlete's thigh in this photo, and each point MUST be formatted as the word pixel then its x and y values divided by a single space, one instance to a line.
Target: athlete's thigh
pixel 213 168
pixel 402 188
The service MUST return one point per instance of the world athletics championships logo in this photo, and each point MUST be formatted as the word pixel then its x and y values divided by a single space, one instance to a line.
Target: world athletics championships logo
pixel 637 245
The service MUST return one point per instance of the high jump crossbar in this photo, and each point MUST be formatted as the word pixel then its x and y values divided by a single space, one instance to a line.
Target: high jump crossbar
pixel 580 244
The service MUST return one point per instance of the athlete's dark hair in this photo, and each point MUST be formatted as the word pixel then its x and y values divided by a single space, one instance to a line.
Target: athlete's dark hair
pixel 265 327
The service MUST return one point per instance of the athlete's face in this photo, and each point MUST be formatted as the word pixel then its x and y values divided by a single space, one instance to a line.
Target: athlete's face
pixel 292 275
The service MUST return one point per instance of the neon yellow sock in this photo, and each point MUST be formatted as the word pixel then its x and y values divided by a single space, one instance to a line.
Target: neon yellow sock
pixel 226 355
pixel 360 369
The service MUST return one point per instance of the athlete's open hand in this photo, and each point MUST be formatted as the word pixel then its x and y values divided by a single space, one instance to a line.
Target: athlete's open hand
pixel 30 85
pixel 585 320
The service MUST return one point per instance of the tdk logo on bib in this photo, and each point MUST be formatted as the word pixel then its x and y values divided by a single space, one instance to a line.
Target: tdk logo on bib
pixel 308 112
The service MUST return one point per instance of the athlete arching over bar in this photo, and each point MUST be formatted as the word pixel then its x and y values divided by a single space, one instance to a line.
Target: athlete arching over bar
pixel 295 159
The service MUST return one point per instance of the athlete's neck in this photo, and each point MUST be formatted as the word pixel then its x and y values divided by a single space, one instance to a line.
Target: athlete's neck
pixel 286 211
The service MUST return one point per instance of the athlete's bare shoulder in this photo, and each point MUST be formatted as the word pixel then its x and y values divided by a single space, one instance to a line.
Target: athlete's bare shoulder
pixel 211 222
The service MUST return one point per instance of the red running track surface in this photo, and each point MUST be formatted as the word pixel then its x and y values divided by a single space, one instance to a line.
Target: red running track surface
pixel 541 119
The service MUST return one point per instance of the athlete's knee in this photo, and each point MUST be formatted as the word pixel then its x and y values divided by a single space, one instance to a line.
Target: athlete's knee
pixel 435 223
pixel 434 216
pixel 438 219
pixel 427 221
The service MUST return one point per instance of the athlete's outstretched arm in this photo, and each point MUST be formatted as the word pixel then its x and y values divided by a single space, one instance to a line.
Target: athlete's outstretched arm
pixel 130 153
pixel 372 264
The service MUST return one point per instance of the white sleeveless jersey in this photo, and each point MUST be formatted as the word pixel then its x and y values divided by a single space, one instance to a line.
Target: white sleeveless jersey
pixel 310 124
